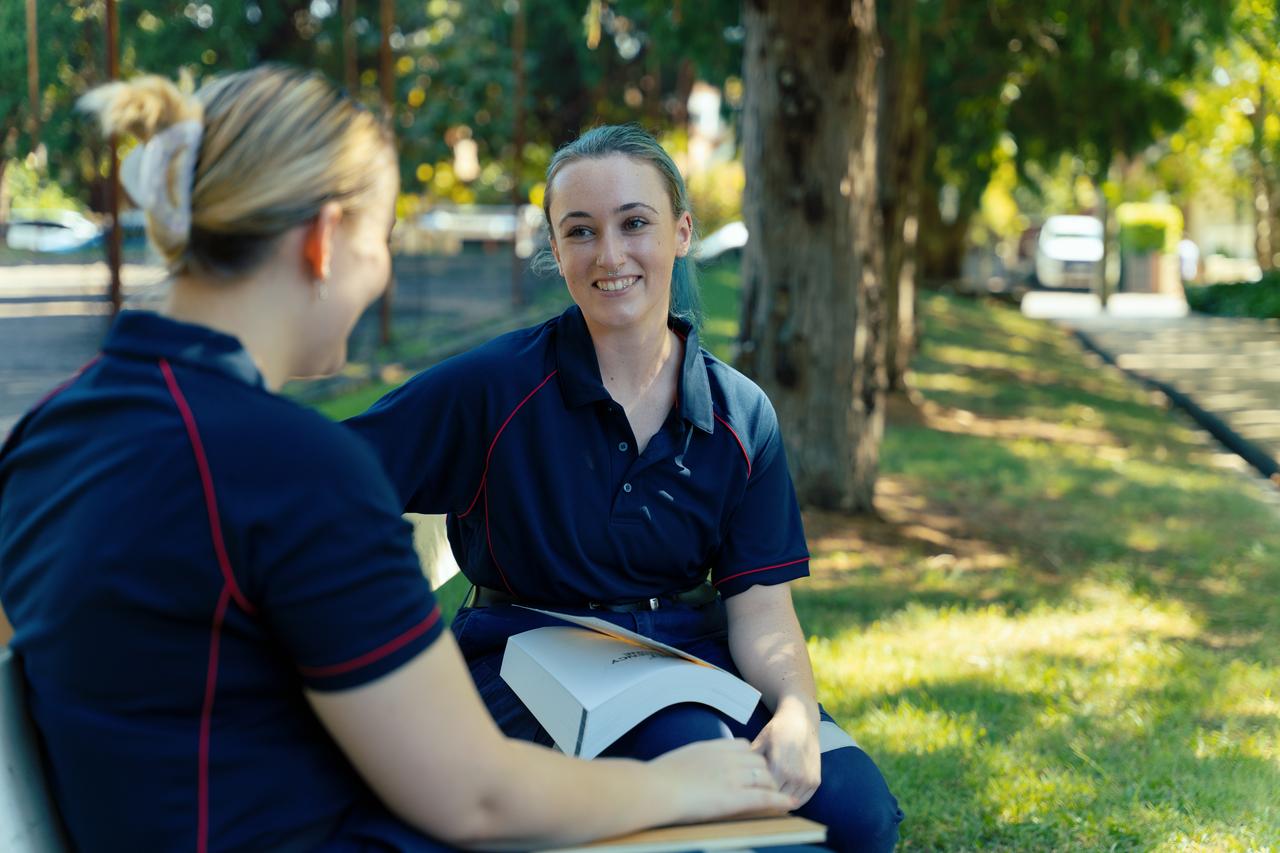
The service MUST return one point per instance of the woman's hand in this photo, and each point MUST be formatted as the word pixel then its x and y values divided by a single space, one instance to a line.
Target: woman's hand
pixel 789 742
pixel 720 779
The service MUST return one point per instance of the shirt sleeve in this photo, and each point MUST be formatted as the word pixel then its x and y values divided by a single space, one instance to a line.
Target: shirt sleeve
pixel 429 434
pixel 341 585
pixel 765 542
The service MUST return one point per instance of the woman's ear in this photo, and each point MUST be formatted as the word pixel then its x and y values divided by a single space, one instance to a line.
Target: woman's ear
pixel 555 253
pixel 684 234
pixel 317 242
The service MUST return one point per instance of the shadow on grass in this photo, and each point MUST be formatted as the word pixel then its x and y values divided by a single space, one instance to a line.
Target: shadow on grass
pixel 1060 631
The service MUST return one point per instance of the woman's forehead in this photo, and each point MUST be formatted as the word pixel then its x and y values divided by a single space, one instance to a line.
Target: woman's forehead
pixel 599 185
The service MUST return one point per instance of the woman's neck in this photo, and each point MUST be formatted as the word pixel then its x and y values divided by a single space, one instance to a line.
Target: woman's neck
pixel 239 309
pixel 634 359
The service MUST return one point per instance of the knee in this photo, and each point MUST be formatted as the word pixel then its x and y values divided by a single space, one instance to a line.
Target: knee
pixel 670 728
pixel 854 803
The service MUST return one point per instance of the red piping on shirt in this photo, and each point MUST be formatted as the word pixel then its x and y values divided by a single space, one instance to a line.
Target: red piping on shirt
pixel 765 569
pixel 485 476
pixel 67 383
pixel 741 446
pixel 206 481
pixel 206 718
pixel 376 654
pixel 489 538
pixel 57 389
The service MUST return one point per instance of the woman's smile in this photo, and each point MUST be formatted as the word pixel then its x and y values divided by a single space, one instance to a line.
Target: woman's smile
pixel 616 284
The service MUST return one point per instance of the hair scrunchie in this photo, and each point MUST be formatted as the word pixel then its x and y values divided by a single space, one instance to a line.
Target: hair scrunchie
pixel 158 176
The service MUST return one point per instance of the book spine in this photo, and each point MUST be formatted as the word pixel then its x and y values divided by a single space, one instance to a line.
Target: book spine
pixel 582 730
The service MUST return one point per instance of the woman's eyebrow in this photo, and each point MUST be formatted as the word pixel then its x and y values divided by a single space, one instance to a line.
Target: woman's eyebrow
pixel 631 205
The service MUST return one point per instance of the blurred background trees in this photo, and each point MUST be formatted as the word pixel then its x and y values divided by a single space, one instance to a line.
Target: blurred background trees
pixel 983 119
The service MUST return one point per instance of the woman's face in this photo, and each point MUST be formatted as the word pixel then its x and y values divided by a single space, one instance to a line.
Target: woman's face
pixel 359 271
pixel 615 239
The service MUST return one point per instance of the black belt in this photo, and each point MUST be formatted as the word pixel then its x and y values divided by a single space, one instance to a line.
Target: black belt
pixel 703 593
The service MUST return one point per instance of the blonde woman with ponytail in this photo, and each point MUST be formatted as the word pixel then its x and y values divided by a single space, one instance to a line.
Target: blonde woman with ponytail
pixel 227 639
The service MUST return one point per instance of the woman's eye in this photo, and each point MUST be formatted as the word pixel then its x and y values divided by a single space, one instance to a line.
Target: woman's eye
pixel 635 222
pixel 577 231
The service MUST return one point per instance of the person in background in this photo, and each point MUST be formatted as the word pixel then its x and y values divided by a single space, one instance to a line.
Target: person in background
pixel 225 632
pixel 603 463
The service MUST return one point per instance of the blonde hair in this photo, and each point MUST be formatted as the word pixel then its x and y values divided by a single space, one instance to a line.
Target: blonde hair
pixel 278 143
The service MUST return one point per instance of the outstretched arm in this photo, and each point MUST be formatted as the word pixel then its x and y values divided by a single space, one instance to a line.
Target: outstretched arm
pixel 424 741
pixel 769 650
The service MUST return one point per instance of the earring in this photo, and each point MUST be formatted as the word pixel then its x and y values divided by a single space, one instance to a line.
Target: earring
pixel 322 290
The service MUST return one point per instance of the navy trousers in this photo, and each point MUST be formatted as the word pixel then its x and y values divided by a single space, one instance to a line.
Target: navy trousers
pixel 853 801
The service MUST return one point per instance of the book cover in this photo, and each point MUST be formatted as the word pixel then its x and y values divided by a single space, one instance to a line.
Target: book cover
pixel 588 686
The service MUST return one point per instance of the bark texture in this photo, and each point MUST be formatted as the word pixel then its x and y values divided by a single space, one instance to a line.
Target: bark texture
pixel 813 313
pixel 901 173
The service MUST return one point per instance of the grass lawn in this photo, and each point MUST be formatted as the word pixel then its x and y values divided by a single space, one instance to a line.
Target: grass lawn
pixel 1062 632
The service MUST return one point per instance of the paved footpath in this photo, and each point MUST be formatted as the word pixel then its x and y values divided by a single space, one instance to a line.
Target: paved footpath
pixel 1225 371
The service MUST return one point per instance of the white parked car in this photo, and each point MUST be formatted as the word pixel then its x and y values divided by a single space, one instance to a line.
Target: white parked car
pixel 1069 252
pixel 50 230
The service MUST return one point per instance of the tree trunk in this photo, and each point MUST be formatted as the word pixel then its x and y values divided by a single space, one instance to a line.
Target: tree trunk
pixel 901 171
pixel 1265 191
pixel 813 318
pixel 4 195
pixel 941 244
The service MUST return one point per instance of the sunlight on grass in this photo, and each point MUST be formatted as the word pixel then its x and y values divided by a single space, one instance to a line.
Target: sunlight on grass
pixel 952 382
pixel 920 643
pixel 1059 717
pixel 1064 634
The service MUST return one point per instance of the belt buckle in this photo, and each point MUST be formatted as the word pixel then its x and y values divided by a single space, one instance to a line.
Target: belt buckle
pixel 654 603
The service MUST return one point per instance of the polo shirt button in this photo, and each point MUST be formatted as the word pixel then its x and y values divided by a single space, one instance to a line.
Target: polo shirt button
pixel 626 487
pixel 622 445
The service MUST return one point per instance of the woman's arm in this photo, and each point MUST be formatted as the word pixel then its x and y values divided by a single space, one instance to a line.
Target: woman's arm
pixel 769 650
pixel 426 744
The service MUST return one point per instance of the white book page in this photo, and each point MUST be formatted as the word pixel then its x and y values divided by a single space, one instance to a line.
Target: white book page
pixel 607 628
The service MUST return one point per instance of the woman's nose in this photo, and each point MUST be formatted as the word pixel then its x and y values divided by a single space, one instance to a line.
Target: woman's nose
pixel 611 257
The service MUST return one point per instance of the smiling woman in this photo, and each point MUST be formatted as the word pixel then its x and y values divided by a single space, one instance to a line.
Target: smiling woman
pixel 603 463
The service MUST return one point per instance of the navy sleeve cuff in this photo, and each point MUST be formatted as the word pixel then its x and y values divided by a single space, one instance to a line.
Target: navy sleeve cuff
pixel 378 661
pixel 731 583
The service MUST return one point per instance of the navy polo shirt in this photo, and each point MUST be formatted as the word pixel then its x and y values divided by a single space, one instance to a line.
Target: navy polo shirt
pixel 536 465
pixel 181 553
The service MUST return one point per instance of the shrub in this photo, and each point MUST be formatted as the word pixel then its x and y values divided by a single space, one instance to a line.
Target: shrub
pixel 1244 299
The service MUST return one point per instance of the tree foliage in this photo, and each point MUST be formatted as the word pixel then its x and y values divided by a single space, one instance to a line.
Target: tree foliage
pixel 1093 78
pixel 586 62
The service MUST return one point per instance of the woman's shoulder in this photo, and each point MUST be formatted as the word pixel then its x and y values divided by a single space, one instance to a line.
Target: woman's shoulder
pixel 737 398
pixel 291 443
pixel 508 360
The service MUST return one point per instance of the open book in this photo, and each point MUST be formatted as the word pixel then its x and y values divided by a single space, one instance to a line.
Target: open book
pixel 589 687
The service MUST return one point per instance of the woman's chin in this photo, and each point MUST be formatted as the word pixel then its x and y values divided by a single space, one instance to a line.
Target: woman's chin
pixel 323 367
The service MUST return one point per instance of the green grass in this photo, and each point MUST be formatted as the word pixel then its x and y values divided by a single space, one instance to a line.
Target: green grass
pixel 1064 634
pixel 721 297
pixel 1063 631
pixel 345 406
